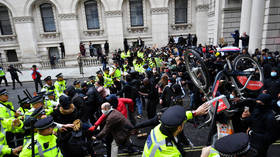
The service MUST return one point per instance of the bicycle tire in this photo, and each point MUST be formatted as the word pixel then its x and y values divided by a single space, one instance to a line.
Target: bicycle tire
pixel 260 77
pixel 205 83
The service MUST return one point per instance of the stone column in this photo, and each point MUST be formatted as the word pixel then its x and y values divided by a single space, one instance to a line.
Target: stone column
pixel 160 26
pixel 70 34
pixel 202 23
pixel 218 18
pixel 256 26
pixel 26 37
pixel 245 18
pixel 114 23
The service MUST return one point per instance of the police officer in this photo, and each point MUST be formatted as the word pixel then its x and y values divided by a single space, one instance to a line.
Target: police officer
pixel 162 140
pixel 50 100
pixel 45 141
pixel 3 76
pixel 6 107
pixel 8 125
pixel 24 105
pixel 60 85
pixel 48 87
pixel 108 81
pixel 91 81
pixel 230 146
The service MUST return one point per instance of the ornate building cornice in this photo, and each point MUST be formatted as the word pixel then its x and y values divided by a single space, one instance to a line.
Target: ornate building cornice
pixel 23 19
pixel 115 13
pixel 163 10
pixel 202 8
pixel 70 16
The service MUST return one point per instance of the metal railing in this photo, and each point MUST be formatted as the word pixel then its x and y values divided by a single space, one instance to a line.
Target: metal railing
pixel 17 65
pixel 90 61
pixel 58 64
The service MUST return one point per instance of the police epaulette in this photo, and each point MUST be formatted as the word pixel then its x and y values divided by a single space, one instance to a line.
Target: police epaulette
pixel 168 142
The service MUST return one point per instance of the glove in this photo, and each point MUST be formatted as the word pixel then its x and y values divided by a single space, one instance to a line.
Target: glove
pixel 92 128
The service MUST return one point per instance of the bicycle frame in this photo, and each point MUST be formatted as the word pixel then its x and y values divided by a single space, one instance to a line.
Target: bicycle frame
pixel 229 73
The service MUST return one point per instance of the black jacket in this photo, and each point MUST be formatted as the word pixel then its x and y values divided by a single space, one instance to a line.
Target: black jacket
pixel 13 71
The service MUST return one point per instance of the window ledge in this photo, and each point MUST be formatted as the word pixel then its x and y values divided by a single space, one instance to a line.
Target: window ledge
pixel 8 37
pixel 92 32
pixel 181 26
pixel 137 28
pixel 50 35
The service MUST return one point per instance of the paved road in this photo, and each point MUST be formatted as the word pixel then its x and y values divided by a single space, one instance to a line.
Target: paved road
pixel 197 136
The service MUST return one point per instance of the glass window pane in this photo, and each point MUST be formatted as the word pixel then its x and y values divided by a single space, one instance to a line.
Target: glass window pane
pixel 47 17
pixel 136 12
pixel 5 24
pixel 92 14
pixel 181 11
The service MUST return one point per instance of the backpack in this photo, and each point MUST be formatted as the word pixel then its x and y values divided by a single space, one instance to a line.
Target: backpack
pixel 77 143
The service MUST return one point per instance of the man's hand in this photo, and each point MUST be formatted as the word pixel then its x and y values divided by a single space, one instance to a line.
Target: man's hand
pixel 16 122
pixel 202 109
pixel 16 150
pixel 17 114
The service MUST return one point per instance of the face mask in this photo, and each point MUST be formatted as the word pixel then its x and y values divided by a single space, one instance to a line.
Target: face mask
pixel 105 112
pixel 231 96
pixel 268 57
pixel 273 74
pixel 278 103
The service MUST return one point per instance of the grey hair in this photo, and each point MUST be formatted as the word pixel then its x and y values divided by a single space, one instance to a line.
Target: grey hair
pixel 106 105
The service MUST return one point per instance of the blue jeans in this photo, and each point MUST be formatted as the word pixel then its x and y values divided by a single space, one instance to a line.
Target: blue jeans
pixel 139 106
pixel 104 66
pixel 191 99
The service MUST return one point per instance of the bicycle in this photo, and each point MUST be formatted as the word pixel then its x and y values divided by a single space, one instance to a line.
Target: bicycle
pixel 244 73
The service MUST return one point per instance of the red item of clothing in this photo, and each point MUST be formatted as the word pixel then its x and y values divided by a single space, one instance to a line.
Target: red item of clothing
pixel 35 73
pixel 121 108
pixel 98 122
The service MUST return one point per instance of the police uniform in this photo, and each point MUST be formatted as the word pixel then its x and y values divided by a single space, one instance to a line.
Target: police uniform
pixel 160 145
pixel 45 145
pixel 3 76
pixel 50 104
pixel 6 125
pixel 47 88
pixel 108 81
pixel 233 145
pixel 22 109
pixel 91 81
pixel 60 86
pixel 5 112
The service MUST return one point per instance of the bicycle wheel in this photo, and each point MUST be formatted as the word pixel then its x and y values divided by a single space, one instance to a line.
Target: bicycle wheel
pixel 197 69
pixel 250 69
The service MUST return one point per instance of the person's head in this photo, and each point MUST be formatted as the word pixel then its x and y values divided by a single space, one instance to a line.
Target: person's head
pixel 70 91
pixel 77 84
pixel 173 120
pixel 45 126
pixel 112 100
pixel 235 145
pixel 24 103
pixel 48 80
pixel 106 108
pixel 37 101
pixel 244 51
pixel 106 70
pixel 244 33
pixel 34 67
pixel 4 95
pixel 65 102
pixel 59 77
pixel 84 86
pixel 264 99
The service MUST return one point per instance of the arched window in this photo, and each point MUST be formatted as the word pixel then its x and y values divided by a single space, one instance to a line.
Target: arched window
pixel 5 23
pixel 136 12
pixel 91 10
pixel 181 11
pixel 47 17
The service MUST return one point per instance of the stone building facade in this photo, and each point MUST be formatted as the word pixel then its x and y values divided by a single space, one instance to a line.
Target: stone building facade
pixel 32 30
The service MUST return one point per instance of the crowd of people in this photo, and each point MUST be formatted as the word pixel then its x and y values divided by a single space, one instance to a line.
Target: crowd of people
pixel 70 118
